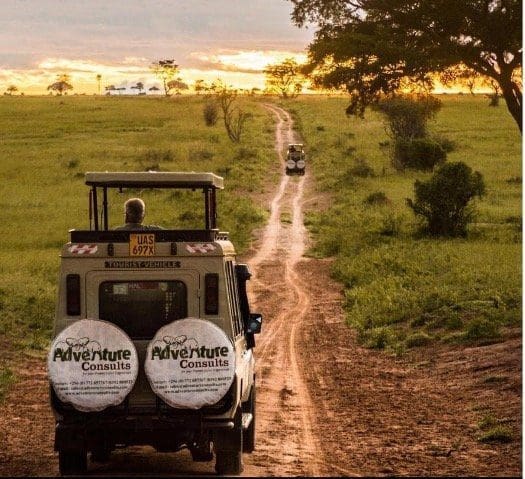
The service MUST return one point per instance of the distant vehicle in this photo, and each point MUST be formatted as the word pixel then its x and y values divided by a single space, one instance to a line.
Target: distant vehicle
pixel 295 159
pixel 168 360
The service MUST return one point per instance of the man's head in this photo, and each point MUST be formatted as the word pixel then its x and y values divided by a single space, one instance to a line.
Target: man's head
pixel 135 210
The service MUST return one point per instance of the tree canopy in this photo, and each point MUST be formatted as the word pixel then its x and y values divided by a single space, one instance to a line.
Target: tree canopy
pixel 60 87
pixel 165 70
pixel 370 47
pixel 284 78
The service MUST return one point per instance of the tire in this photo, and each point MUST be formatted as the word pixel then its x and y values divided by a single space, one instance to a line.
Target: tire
pixel 228 448
pixel 229 463
pixel 248 437
pixel 72 462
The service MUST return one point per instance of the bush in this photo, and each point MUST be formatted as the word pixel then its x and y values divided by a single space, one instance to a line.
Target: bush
pixel 418 154
pixel 361 169
pixel 417 339
pixel 444 200
pixel 377 198
pixel 407 116
pixel 211 113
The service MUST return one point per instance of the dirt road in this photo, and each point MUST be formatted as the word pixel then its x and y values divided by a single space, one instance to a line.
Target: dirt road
pixel 325 405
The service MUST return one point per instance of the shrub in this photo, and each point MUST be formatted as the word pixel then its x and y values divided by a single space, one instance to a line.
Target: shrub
pixel 417 339
pixel 418 154
pixel 377 198
pixel 481 328
pixel 498 434
pixel 407 116
pixel 444 200
pixel 361 169
pixel 211 113
pixel 198 155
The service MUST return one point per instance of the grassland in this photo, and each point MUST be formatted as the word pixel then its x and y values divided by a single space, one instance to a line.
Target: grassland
pixel 48 143
pixel 403 289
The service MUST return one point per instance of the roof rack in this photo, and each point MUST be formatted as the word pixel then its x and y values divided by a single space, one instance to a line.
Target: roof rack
pixel 208 182
pixel 154 179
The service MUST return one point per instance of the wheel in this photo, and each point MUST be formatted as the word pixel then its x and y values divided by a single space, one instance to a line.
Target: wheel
pixel 248 436
pixel 229 463
pixel 228 448
pixel 72 462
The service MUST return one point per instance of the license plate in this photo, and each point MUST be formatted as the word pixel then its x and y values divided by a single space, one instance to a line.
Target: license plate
pixel 142 244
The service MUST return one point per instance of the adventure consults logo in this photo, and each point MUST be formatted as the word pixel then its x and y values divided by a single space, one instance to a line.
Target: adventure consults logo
pixel 90 354
pixel 188 352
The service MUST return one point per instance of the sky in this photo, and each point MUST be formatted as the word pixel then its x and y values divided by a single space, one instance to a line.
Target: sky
pixel 119 39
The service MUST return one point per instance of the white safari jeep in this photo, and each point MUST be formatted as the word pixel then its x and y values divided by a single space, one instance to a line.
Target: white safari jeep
pixel 295 159
pixel 153 336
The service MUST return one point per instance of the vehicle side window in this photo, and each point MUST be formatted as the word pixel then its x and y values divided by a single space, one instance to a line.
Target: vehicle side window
pixel 140 308
pixel 233 299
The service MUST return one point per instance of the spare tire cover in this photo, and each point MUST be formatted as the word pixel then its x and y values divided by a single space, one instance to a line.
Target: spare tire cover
pixel 190 363
pixel 290 164
pixel 300 164
pixel 92 364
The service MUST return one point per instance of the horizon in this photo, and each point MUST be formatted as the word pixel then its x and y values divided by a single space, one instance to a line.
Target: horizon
pixel 231 40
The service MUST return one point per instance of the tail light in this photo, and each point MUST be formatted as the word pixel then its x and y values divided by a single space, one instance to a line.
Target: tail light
pixel 73 294
pixel 211 288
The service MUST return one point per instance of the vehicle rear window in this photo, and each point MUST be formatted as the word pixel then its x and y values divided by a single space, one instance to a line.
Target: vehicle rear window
pixel 140 308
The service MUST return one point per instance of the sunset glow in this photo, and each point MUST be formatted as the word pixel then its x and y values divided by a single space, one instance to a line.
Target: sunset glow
pixel 242 69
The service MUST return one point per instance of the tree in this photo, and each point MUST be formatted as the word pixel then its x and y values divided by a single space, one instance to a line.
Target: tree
pixel 234 118
pixel 99 79
pixel 11 89
pixel 139 86
pixel 200 85
pixel 154 88
pixel 177 85
pixel 370 46
pixel 284 78
pixel 60 87
pixel 165 70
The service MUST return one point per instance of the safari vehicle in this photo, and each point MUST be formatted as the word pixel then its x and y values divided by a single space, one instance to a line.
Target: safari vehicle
pixel 141 281
pixel 295 159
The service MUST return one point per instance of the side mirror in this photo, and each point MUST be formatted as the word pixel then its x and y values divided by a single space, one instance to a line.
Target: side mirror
pixel 254 323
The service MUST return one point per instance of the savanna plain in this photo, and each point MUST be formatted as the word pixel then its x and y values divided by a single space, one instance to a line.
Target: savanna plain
pixel 421 375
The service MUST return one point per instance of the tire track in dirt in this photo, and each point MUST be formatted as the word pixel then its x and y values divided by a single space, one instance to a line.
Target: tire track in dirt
pixel 286 443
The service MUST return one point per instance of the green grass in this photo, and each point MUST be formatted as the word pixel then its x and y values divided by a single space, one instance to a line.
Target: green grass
pixel 48 143
pixel 6 379
pixel 403 289
pixel 493 431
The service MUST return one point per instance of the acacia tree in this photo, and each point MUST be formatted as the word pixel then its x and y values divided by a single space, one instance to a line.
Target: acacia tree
pixel 370 46
pixel 11 89
pixel 138 86
pixel 177 85
pixel 165 70
pixel 285 78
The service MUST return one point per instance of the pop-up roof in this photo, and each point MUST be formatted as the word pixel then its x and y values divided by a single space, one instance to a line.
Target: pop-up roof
pixel 154 179
pixel 208 182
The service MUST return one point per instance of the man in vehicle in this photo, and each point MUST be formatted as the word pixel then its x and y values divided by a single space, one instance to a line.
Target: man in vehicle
pixel 135 210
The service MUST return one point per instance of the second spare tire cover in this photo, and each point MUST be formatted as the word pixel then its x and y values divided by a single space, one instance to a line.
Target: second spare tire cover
pixel 190 363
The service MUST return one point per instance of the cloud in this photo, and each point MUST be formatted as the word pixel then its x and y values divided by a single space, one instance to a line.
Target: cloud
pixel 249 61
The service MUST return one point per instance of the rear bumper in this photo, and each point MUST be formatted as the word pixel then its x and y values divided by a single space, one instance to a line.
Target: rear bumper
pixel 160 426
pixel 161 433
